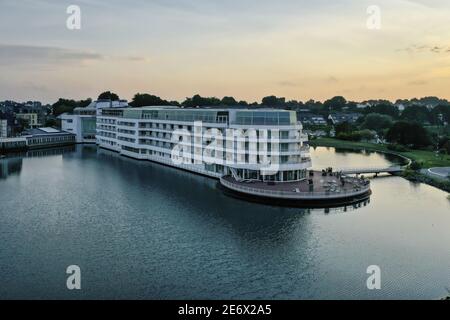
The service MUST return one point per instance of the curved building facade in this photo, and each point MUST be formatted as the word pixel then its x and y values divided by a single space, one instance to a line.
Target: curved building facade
pixel 250 145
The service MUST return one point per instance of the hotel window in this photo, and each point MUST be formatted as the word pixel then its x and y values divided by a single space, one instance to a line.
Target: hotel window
pixel 284 134
pixel 284 118
pixel 271 120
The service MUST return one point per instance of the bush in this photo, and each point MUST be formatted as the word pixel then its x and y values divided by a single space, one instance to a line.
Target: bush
pixel 397 148
pixel 410 175
pixel 366 135
pixel 356 136
pixel 377 122
pixel 416 166
pixel 353 136
pixel 407 133
pixel 417 177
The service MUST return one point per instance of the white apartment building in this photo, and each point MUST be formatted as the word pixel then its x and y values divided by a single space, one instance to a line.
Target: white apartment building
pixel 32 119
pixel 82 122
pixel 263 145
pixel 3 128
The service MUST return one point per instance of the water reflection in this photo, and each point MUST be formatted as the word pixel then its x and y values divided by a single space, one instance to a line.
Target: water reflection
pixel 45 152
pixel 323 157
pixel 12 164
pixel 164 233
pixel 183 186
pixel 9 167
pixel 199 203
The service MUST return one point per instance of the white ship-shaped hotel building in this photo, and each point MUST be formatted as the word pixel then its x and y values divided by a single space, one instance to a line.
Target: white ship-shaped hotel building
pixel 260 154
pixel 264 145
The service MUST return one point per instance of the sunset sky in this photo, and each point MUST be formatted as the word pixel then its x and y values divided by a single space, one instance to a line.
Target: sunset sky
pixel 243 48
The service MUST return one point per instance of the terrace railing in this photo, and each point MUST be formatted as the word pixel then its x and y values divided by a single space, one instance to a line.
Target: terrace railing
pixel 362 187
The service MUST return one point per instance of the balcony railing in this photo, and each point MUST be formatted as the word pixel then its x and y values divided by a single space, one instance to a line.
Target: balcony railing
pixel 361 188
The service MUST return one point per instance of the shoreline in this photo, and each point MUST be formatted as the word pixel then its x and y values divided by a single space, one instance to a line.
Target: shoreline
pixel 413 176
pixel 413 155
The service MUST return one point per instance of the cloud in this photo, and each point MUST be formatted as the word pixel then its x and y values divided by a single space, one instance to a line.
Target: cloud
pixel 418 83
pixel 16 55
pixel 135 59
pixel 332 79
pixel 287 84
pixel 425 48
pixel 25 54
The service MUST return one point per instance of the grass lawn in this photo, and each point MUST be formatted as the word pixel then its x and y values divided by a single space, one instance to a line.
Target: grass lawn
pixel 427 158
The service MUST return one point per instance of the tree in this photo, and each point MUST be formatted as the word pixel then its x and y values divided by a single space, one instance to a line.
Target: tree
pixel 273 101
pixel 416 166
pixel 366 135
pixel 444 145
pixel 335 104
pixel 352 106
pixel 59 110
pixel 108 95
pixel 430 101
pixel 316 107
pixel 440 114
pixel 68 105
pixel 377 122
pixel 408 134
pixel 229 101
pixel 199 101
pixel 384 108
pixel 145 99
pixel 51 123
pixel 22 124
pixel 416 113
pixel 175 103
pixel 344 127
pixel 294 105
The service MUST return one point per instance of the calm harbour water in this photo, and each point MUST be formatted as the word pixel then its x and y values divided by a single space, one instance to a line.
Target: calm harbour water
pixel 140 230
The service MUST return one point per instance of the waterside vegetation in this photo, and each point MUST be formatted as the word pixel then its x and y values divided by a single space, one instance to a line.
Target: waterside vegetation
pixel 420 158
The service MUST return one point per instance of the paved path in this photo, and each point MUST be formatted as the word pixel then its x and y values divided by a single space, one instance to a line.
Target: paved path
pixel 375 170
pixel 440 173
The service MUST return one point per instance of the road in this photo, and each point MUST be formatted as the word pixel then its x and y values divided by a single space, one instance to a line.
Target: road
pixel 440 173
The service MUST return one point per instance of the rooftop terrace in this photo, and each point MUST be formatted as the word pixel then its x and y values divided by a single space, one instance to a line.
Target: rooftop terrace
pixel 322 187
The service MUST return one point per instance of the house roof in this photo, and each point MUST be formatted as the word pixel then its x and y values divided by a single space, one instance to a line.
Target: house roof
pixel 45 132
